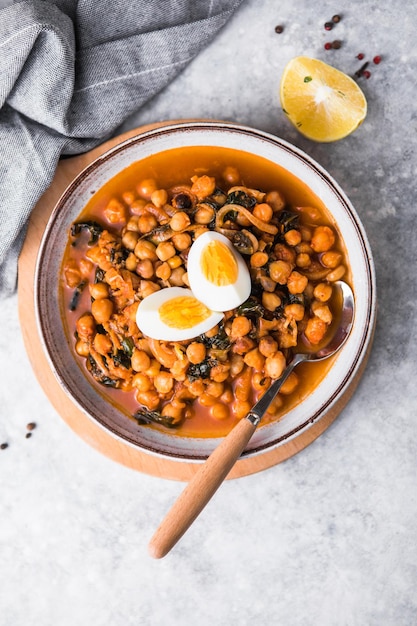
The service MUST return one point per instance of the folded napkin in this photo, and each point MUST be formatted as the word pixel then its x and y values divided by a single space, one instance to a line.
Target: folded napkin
pixel 71 71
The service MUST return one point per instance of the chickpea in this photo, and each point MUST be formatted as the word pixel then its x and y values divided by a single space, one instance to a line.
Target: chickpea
pixel 164 382
pixel 159 197
pixel 323 292
pixel 131 262
pixel 212 332
pixel 206 400
pixel 303 260
pixel 323 239
pixel 82 348
pixel 294 311
pixel 267 346
pixel 263 212
pixel 102 310
pixel 260 382
pixel 276 200
pixel 174 262
pixel 145 268
pixel 331 259
pixel 146 188
pixel 137 206
pixel 132 224
pixel 99 290
pixel 304 248
pixel 146 223
pixel 72 274
pixel 296 282
pixel 236 364
pixel 241 408
pixel 176 412
pixel 271 301
pixel 203 215
pixel 163 271
pixel 227 395
pixel 165 251
pixel 280 271
pixel 179 221
pixel 219 411
pixel 196 387
pixel 336 274
pixel 290 384
pixel 275 365
pixel 241 326
pixel 146 250
pixel 275 406
pixel 220 372
pixel 215 389
pixel 177 277
pixel 103 344
pixel 292 237
pixel 258 259
pixel 128 197
pixel 181 241
pixel 306 233
pixel 148 287
pixel 315 330
pixel 86 326
pixel 140 361
pixel 130 239
pixel 196 352
pixel 254 359
pixel 243 345
pixel 150 399
pixel 141 382
pixel 153 369
pixel 231 175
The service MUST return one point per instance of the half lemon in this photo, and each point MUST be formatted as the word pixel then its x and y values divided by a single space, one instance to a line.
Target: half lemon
pixel 323 103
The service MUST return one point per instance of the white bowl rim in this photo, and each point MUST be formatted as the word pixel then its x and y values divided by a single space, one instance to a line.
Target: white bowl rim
pixel 157 445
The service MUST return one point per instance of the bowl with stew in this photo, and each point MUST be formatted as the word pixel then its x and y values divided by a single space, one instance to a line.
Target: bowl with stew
pixel 177 275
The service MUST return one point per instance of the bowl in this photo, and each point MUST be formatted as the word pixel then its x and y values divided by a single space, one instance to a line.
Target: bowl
pixel 338 382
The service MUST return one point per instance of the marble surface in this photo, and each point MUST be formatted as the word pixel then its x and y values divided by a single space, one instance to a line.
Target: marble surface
pixel 327 538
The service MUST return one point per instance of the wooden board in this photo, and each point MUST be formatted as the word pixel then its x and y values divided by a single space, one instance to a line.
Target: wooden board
pixel 85 427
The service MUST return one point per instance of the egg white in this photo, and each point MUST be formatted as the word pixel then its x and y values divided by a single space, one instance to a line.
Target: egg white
pixel 151 325
pixel 217 298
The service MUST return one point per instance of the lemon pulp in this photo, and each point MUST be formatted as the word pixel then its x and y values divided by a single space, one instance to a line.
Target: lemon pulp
pixel 323 103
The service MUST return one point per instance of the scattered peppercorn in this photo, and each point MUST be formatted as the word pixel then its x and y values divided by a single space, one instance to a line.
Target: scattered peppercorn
pixel 360 56
pixel 367 74
pixel 328 26
pixel 377 59
pixel 28 435
pixel 279 29
pixel 31 426
pixel 336 44
pixel 336 19
pixel 4 445
pixel 328 45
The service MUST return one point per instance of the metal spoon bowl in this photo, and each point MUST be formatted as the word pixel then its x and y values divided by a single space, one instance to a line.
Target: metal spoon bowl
pixel 212 473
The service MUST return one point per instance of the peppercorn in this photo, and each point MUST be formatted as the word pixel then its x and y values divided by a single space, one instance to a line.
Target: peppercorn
pixel 328 45
pixel 328 26
pixel 28 435
pixel 279 29
pixel 31 426
pixel 3 446
pixel 336 44
pixel 377 60
pixel 360 56
pixel 336 19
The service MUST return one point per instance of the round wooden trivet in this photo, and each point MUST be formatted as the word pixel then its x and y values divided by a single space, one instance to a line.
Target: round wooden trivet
pixel 85 427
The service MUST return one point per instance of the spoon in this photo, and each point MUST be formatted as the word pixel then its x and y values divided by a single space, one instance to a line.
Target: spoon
pixel 212 473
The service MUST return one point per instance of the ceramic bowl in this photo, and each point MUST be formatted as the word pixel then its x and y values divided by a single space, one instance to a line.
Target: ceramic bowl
pixel 336 386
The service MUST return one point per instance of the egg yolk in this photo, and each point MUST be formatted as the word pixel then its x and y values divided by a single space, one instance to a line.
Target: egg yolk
pixel 183 312
pixel 218 264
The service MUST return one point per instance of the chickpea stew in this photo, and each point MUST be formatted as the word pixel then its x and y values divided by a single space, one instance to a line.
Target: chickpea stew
pixel 133 239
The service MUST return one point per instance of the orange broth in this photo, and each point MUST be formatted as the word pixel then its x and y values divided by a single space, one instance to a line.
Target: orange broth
pixel 175 167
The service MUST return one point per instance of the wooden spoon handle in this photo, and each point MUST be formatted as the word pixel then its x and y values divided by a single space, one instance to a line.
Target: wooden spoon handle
pixel 200 489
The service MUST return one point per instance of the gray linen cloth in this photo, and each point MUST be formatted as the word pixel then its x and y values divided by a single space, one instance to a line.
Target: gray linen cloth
pixel 71 71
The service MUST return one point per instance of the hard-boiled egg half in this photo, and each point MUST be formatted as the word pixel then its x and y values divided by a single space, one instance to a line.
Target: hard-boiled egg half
pixel 175 314
pixel 217 274
pixel 219 281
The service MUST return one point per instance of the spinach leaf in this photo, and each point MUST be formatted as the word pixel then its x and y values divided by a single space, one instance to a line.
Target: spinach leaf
pixel 94 228
pixel 154 417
